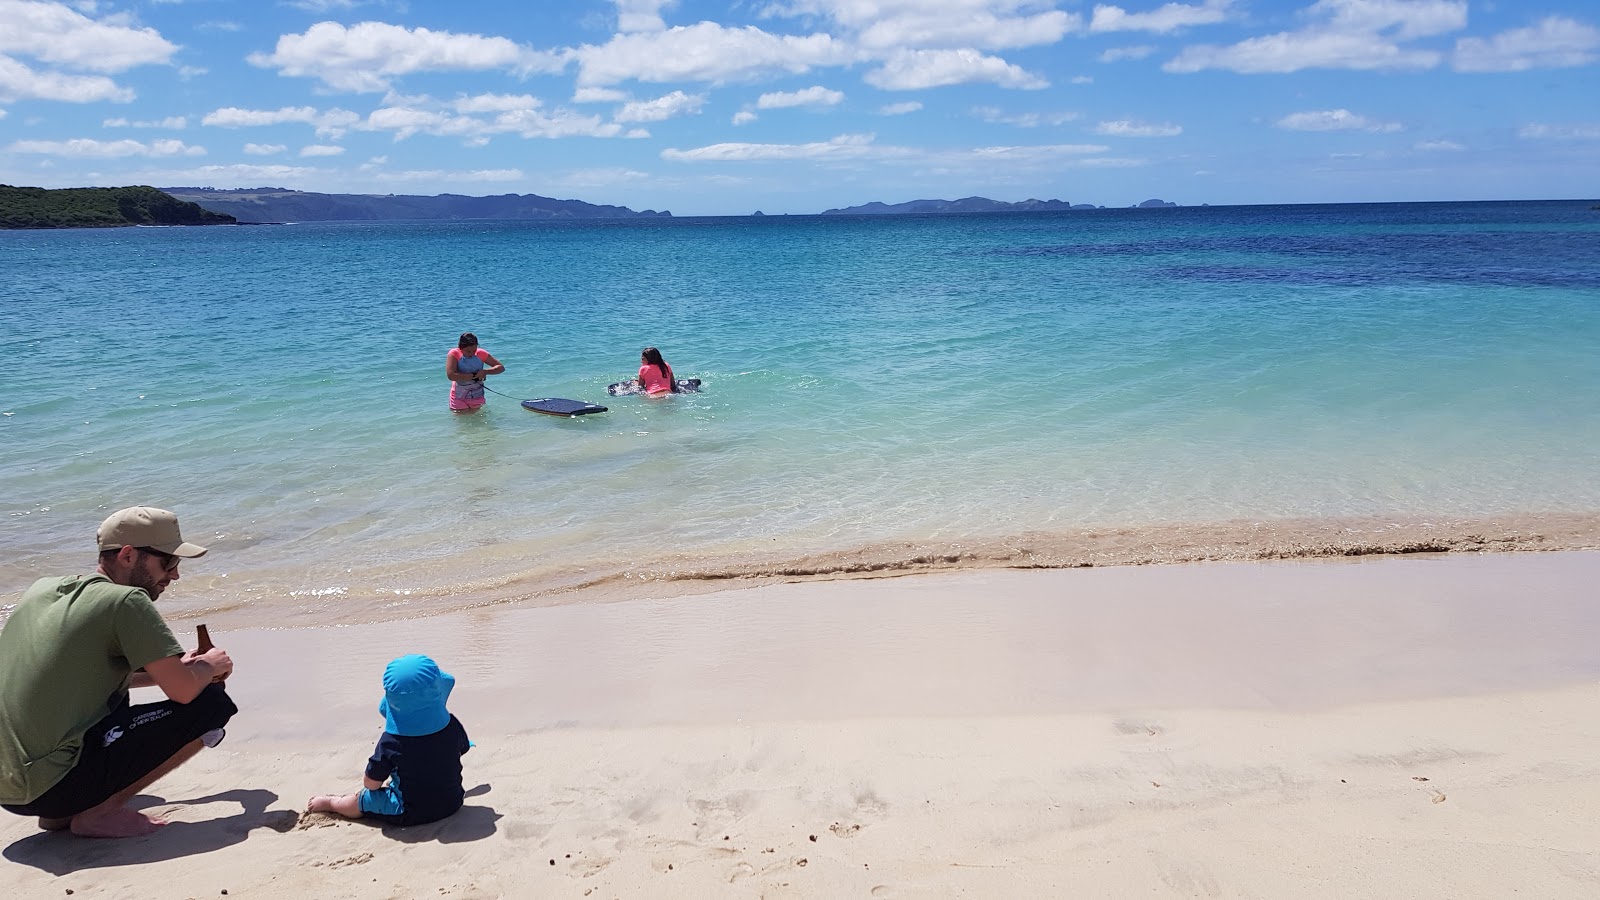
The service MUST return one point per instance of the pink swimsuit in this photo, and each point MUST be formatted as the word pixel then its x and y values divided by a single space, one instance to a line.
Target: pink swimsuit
pixel 467 394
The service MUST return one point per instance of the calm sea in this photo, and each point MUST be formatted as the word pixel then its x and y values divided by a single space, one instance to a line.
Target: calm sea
pixel 878 392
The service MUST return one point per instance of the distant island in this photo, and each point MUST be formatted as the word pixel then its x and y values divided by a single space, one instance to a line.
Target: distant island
pixel 32 207
pixel 27 207
pixel 964 205
pixel 271 205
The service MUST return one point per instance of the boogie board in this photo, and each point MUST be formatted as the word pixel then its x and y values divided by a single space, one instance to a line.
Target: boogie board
pixel 555 406
pixel 631 386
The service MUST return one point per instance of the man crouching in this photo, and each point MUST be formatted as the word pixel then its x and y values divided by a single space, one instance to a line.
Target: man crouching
pixel 72 750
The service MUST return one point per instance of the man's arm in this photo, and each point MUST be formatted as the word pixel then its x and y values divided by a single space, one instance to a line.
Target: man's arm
pixel 182 678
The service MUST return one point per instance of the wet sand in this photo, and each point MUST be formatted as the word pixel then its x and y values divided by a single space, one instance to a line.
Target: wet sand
pixel 1417 726
pixel 225 589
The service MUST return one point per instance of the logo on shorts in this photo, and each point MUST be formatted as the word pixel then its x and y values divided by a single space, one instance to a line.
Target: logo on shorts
pixel 112 734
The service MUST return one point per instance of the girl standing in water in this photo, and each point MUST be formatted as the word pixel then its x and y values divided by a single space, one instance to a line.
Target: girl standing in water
pixel 467 366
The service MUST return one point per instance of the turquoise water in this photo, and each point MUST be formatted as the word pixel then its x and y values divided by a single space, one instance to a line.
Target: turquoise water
pixel 869 382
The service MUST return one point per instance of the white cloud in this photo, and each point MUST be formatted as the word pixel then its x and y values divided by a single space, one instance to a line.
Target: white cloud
pixel 332 123
pixel 1126 128
pixel 409 116
pixel 910 70
pixel 264 149
pixel 1438 147
pixel 55 34
pixel 1347 34
pixel 1021 120
pixel 604 177
pixel 484 103
pixel 642 15
pixel 173 122
pixel 883 25
pixel 367 56
pixel 843 147
pixel 662 108
pixel 88 148
pixel 498 176
pixel 1554 42
pixel 1037 152
pixel 234 117
pixel 1117 54
pixel 900 109
pixel 706 52
pixel 1171 17
pixel 1334 120
pixel 599 95
pixel 815 95
pixel 19 82
pixel 744 117
pixel 246 175
pixel 1280 53
pixel 321 150
pixel 1583 132
pixel 1408 18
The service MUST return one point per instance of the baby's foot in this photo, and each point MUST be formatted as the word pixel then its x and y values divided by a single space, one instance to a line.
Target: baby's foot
pixel 321 803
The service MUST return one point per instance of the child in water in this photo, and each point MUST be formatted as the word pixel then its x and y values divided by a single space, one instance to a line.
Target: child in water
pixel 655 376
pixel 414 775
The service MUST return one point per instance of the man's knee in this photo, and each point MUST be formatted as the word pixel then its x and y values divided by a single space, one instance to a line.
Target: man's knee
pixel 213 707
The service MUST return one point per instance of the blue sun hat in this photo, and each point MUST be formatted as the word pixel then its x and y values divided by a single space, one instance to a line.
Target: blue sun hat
pixel 414 693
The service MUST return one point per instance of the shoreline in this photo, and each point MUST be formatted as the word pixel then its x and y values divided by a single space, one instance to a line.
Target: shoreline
pixel 500 575
pixel 1357 727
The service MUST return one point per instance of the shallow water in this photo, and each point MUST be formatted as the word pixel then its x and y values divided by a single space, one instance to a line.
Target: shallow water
pixel 877 391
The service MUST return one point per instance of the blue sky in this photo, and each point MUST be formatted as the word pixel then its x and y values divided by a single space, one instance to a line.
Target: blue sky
pixel 796 106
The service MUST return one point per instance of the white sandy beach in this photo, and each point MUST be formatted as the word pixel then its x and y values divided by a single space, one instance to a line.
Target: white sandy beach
pixel 1393 727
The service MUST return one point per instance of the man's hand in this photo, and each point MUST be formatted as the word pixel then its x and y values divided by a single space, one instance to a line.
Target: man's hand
pixel 182 678
pixel 218 659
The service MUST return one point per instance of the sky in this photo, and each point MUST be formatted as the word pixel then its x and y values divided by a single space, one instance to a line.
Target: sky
pixel 797 106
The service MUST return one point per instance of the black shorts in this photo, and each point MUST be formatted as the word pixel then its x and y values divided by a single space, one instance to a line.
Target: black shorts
pixel 127 745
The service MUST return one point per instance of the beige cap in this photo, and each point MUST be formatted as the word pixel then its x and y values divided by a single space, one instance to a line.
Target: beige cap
pixel 145 526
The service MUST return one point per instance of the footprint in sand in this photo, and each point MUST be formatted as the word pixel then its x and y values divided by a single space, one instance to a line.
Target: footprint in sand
pixel 882 890
pixel 314 820
pixel 1143 727
pixel 844 831
pixel 356 860
pixel 587 868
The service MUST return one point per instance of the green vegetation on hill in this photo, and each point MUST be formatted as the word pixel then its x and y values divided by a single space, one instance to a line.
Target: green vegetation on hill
pixel 27 207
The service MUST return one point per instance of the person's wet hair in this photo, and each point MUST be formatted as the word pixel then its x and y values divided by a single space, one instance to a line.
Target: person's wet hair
pixel 468 339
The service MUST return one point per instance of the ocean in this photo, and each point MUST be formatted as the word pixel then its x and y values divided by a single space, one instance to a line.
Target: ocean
pixel 882 395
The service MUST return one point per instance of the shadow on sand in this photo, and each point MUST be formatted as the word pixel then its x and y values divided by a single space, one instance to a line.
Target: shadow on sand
pixel 469 823
pixel 61 853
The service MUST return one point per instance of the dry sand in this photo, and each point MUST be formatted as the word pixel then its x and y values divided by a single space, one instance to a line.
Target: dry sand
pixel 1393 727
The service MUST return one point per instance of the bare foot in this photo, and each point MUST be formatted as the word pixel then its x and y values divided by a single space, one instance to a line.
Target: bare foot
pixel 54 824
pixel 119 822
pixel 321 803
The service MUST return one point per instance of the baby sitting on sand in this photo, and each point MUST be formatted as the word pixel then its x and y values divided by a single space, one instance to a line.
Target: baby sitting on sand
pixel 419 754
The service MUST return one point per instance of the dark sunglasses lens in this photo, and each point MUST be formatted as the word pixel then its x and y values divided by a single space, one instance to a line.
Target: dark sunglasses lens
pixel 169 561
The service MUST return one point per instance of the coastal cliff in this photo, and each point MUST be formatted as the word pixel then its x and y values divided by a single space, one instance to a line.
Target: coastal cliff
pixel 32 207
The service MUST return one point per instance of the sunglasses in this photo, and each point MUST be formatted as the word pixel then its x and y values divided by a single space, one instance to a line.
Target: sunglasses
pixel 169 561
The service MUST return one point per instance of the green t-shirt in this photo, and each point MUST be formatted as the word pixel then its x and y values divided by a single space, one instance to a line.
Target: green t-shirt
pixel 67 655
